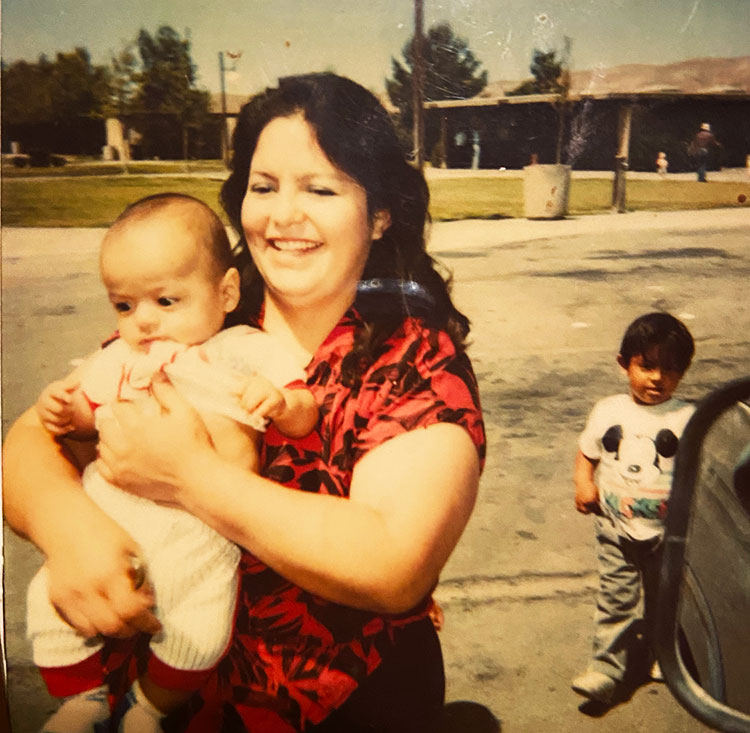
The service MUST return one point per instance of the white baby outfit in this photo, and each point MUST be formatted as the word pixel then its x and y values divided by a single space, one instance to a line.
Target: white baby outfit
pixel 191 567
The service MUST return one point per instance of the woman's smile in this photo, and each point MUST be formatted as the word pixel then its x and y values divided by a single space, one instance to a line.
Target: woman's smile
pixel 294 245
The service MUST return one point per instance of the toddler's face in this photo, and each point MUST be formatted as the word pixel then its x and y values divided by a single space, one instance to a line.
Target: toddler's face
pixel 650 383
pixel 162 285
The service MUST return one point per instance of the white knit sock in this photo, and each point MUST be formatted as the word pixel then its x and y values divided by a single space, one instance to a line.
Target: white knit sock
pixel 79 713
pixel 143 716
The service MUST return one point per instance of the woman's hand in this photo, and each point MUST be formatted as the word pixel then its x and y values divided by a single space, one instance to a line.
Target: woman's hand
pixel 93 583
pixel 148 452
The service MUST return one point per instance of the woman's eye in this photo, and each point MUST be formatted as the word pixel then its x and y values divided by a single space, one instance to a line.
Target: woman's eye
pixel 166 302
pixel 260 188
pixel 122 307
pixel 322 191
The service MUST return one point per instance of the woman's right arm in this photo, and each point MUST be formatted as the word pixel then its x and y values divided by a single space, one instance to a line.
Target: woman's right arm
pixel 88 554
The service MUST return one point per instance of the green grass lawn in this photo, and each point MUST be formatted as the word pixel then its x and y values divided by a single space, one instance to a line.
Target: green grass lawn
pixel 91 201
pixel 95 201
pixel 91 167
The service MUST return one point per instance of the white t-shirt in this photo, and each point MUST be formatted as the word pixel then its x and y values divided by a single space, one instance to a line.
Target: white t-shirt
pixel 635 445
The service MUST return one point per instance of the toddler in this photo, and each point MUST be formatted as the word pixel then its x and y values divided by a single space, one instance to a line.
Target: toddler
pixel 623 474
pixel 662 164
pixel 167 266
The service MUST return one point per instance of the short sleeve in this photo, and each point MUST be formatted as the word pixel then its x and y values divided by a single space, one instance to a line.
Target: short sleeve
pixel 419 382
pixel 589 442
pixel 211 376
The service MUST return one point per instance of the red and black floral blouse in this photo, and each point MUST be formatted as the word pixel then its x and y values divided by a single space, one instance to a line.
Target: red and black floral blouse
pixel 295 657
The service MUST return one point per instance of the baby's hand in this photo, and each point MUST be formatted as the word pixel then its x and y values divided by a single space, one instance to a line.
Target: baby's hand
pixel 587 499
pixel 262 399
pixel 55 406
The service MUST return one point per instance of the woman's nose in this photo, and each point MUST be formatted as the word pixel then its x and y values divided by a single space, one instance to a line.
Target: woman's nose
pixel 286 209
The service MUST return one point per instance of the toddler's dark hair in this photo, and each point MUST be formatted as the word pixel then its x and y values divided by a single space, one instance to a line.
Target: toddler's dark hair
pixel 662 330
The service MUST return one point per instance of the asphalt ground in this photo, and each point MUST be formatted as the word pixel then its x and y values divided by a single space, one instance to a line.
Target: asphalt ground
pixel 549 301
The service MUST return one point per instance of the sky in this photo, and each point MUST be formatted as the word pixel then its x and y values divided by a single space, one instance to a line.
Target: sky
pixel 280 37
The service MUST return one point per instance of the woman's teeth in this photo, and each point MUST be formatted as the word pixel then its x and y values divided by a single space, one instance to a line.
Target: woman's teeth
pixel 294 245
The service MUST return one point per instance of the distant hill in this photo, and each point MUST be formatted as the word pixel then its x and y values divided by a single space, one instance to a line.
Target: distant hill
pixel 692 75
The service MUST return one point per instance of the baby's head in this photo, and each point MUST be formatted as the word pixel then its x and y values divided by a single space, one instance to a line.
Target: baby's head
pixel 169 271
pixel 655 353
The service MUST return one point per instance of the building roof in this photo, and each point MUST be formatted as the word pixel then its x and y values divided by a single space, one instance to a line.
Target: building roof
pixel 635 96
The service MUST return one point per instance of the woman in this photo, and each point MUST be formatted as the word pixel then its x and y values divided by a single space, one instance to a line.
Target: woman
pixel 332 631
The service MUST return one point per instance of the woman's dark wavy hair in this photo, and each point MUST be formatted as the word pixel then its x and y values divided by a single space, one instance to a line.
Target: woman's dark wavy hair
pixel 356 134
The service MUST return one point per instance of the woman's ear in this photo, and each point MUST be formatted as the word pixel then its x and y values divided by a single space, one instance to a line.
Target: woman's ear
pixel 229 290
pixel 622 363
pixel 380 222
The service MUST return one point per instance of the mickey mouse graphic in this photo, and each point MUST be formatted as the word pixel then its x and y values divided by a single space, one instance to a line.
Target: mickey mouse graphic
pixel 637 462
pixel 638 456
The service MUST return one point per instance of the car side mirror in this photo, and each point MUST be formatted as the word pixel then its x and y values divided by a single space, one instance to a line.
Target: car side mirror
pixel 702 629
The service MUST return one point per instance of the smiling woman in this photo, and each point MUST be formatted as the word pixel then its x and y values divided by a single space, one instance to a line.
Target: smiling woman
pixel 344 532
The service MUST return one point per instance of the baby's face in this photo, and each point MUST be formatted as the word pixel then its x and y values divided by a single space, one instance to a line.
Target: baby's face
pixel 162 285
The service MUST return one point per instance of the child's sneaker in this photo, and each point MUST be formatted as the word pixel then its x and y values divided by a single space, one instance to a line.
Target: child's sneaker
pixel 655 672
pixel 80 713
pixel 596 686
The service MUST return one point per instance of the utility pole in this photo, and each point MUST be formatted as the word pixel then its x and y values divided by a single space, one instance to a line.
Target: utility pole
pixel 624 117
pixel 417 80
pixel 224 135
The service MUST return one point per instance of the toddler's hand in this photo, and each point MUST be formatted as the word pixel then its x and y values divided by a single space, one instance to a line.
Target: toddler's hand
pixel 587 499
pixel 261 398
pixel 55 408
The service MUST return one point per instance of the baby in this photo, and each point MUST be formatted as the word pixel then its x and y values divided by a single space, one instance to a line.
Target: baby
pixel 167 265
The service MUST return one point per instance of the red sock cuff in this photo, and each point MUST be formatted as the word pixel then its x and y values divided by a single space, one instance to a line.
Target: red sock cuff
pixel 74 678
pixel 170 678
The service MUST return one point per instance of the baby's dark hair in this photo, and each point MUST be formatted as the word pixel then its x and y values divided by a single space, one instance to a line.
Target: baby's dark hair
pixel 204 222
pixel 670 335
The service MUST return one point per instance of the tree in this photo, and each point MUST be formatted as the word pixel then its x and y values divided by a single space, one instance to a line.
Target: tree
pixel 547 71
pixel 451 71
pixel 167 94
pixel 56 91
pixel 124 81
pixel 551 76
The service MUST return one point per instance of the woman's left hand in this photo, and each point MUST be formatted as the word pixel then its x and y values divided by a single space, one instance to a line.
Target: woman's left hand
pixel 148 452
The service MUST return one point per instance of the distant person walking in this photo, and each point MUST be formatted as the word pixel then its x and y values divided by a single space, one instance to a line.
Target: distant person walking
pixel 702 148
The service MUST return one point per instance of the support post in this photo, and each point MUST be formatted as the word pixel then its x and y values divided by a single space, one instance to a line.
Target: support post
pixel 444 141
pixel 624 117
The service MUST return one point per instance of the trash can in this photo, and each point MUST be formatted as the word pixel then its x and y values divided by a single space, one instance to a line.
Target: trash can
pixel 546 189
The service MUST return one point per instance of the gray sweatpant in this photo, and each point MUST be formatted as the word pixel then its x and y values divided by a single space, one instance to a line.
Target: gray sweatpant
pixel 628 580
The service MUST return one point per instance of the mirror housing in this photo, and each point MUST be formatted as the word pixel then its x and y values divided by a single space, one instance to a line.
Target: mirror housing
pixel 702 637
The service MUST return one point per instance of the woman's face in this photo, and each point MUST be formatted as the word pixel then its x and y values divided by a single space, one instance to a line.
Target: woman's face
pixel 305 221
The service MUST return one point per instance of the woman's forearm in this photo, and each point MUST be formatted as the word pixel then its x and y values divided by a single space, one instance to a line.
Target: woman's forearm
pixel 381 554
pixel 262 516
pixel 40 480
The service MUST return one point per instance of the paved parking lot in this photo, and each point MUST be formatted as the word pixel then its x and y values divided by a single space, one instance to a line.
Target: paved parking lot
pixel 548 301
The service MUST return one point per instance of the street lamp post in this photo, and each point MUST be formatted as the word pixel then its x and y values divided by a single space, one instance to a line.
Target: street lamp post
pixel 224 136
pixel 222 71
